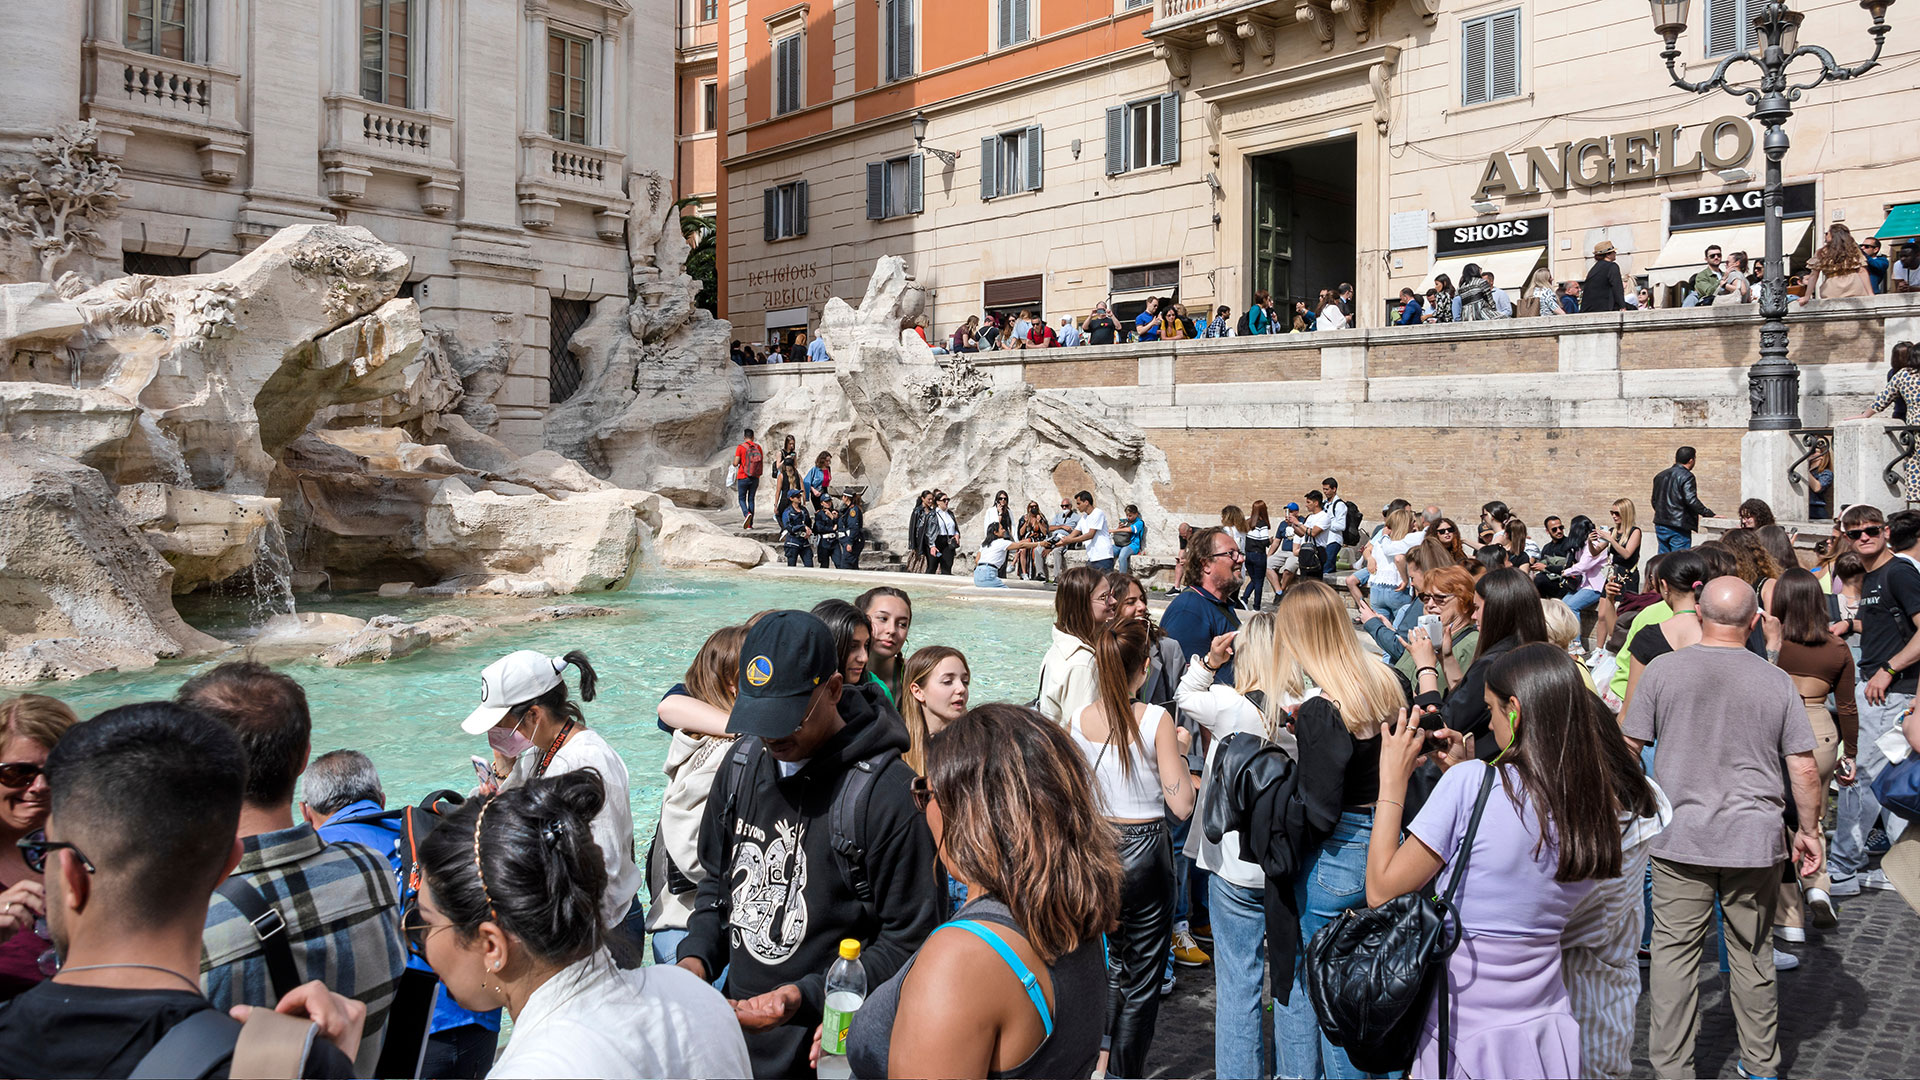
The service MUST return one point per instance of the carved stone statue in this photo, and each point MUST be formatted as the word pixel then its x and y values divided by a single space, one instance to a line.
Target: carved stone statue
pixel 58 200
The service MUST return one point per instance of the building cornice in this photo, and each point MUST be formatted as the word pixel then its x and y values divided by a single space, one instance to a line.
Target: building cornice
pixel 1142 52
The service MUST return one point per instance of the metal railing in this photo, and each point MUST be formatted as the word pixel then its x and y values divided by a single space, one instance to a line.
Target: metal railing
pixel 1906 439
pixel 1812 441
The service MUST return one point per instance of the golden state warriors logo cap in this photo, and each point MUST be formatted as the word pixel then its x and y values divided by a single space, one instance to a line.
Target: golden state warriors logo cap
pixel 788 654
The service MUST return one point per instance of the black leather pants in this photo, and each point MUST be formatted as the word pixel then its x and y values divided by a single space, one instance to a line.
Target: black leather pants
pixel 1137 948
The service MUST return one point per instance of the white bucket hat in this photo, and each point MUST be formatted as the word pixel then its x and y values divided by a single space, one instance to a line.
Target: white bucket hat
pixel 514 679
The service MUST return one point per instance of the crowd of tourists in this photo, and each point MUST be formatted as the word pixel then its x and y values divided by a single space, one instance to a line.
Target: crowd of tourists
pixel 857 870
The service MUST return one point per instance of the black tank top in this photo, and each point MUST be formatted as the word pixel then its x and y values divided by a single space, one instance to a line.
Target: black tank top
pixel 1079 1009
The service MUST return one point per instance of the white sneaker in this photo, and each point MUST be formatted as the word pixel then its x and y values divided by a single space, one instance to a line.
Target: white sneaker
pixel 1784 961
pixel 1845 886
pixel 1820 909
pixel 1876 879
pixel 1792 935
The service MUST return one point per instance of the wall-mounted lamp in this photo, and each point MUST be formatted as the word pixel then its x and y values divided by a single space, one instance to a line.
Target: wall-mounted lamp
pixel 1735 175
pixel 947 157
pixel 1484 206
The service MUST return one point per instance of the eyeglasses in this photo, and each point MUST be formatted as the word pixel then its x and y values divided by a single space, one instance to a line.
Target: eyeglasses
pixel 414 927
pixel 1432 597
pixel 1233 554
pixel 35 848
pixel 922 793
pixel 19 773
pixel 999 498
pixel 1870 531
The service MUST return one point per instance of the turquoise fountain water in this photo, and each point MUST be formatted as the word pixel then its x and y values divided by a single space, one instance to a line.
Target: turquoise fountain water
pixel 406 714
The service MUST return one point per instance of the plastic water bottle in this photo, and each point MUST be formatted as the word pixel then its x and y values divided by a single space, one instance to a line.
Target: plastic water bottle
pixel 846 992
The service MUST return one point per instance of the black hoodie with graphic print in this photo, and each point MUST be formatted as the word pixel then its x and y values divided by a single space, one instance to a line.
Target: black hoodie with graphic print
pixel 776 902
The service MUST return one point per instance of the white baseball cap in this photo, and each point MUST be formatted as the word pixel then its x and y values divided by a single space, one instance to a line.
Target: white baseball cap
pixel 514 679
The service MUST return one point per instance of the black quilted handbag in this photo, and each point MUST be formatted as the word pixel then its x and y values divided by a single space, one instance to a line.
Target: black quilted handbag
pixel 1371 972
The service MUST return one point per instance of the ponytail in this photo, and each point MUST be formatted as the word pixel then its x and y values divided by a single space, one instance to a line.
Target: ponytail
pixel 1118 652
pixel 588 679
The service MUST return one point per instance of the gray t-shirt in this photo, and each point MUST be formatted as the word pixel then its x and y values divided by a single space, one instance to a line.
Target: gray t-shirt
pixel 1721 720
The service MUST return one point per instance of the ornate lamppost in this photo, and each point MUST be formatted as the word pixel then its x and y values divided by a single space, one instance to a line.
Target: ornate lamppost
pixel 1773 384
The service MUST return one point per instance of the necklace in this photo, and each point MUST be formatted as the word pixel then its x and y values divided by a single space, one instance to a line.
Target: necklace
pixel 148 967
pixel 546 759
pixel 1687 611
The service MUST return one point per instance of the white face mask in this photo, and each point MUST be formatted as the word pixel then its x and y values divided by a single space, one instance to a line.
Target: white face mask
pixel 509 741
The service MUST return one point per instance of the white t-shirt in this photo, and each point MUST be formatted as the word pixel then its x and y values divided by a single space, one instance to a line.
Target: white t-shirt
pixel 1899 272
pixel 593 1019
pixel 1324 522
pixel 1384 550
pixel 1337 521
pixel 994 554
pixel 612 826
pixel 1331 318
pixel 1100 544
pixel 1239 538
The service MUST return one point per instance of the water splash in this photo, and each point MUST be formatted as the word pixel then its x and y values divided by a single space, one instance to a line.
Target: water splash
pixel 165 450
pixel 271 574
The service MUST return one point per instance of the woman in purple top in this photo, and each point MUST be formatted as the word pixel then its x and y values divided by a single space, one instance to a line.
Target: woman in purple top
pixel 1549 833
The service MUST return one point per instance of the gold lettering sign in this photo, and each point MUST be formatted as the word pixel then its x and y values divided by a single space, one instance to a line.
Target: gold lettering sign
pixel 1621 158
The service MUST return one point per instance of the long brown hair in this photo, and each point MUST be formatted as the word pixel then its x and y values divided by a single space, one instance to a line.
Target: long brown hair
pixel 1257 515
pixel 1118 653
pixel 1801 606
pixel 714 675
pixel 1756 562
pixel 1516 539
pixel 1314 643
pixel 1571 761
pixel 1232 518
pixel 919 666
pixel 1023 823
pixel 1840 254
pixel 1073 603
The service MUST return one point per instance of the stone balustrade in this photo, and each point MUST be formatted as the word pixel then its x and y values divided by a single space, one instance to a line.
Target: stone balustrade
pixel 366 137
pixel 553 171
pixel 132 92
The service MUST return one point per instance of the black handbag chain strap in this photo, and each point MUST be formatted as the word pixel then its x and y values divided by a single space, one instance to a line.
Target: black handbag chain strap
pixel 1447 909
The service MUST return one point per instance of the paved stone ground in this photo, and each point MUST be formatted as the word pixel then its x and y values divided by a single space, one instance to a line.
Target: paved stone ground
pixel 1852 1007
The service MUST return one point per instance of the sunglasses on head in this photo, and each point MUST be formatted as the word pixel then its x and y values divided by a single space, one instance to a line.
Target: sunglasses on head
pixel 1867 531
pixel 35 847
pixel 922 793
pixel 19 773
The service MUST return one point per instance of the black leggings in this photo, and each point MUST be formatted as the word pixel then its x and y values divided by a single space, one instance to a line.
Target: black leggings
pixel 1138 946
pixel 943 563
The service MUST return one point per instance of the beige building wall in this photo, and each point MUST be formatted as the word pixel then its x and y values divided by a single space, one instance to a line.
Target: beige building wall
pixel 696 68
pixel 262 124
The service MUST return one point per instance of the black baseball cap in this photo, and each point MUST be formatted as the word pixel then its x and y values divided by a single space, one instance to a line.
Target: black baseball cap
pixel 785 657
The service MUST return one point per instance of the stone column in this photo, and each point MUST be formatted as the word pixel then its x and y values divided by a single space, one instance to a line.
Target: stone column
pixel 1861 453
pixel 536 104
pixel 1764 457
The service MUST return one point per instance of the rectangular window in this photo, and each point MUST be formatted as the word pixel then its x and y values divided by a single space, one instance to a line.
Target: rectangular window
pixel 160 27
pixel 563 368
pixel 897 20
pixel 709 10
pixel 140 262
pixel 1730 28
pixel 787 65
pixel 1010 162
pixel 569 87
pixel 386 42
pixel 709 106
pixel 1490 58
pixel 1015 19
pixel 785 211
pixel 1142 134
pixel 894 187
pixel 1015 293
pixel 1158 278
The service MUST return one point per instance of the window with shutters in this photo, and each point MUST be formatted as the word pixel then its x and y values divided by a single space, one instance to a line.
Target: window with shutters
pixel 788 66
pixel 895 187
pixel 897 20
pixel 1013 21
pixel 161 27
pixel 1010 163
pixel 1490 58
pixel 1730 28
pixel 1142 134
pixel 1158 279
pixel 785 209
pixel 387 51
pixel 569 87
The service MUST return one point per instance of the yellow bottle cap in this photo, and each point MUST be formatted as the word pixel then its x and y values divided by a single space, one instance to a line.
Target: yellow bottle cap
pixel 849 949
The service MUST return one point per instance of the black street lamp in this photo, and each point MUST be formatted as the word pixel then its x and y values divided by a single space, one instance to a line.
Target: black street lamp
pixel 1773 384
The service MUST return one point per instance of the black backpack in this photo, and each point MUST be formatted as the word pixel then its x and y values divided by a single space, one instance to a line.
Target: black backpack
pixel 1241 328
pixel 1371 971
pixel 846 819
pixel 1350 533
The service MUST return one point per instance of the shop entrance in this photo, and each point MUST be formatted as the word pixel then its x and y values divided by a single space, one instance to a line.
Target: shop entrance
pixel 1303 222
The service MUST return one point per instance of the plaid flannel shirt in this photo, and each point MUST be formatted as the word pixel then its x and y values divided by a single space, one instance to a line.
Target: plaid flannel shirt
pixel 343 925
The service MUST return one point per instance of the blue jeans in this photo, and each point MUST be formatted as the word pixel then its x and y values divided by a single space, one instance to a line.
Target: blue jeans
pixel 1102 565
pixel 746 488
pixel 1583 599
pixel 1239 973
pixel 987 576
pixel 1389 601
pixel 1858 809
pixel 798 555
pixel 1672 539
pixel 1334 880
pixel 1390 644
pixel 1123 559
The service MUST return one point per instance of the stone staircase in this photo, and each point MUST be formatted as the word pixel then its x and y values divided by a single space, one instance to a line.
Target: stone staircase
pixel 879 554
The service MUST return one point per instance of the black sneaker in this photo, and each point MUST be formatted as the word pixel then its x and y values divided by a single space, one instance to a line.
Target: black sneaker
pixel 1877 842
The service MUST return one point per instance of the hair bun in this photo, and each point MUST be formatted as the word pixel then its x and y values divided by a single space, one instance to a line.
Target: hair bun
pixel 1697 584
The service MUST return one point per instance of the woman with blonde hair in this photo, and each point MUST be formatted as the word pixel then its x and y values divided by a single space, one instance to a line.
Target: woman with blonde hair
pixel 1623 575
pixel 1386 559
pixel 1235 524
pixel 31 725
pixel 1237 885
pixel 1538 298
pixel 697 709
pixel 938 679
pixel 1840 266
pixel 1316 653
pixel 1019 987
pixel 1138 756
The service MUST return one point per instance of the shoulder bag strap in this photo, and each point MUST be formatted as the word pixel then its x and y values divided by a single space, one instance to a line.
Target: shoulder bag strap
pixel 190 1048
pixel 1453 886
pixel 1020 969
pixel 271 930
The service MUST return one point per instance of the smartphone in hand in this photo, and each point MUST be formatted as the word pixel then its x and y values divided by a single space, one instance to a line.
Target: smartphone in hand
pixel 484 769
pixel 1431 624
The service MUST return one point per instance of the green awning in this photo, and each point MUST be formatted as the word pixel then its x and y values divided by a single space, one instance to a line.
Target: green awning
pixel 1902 221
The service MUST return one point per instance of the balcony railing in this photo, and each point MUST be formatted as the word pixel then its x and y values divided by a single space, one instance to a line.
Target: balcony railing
pixel 141 92
pixel 553 171
pixel 365 137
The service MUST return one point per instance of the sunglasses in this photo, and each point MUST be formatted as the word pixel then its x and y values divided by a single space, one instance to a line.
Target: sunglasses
pixel 19 773
pixel 1869 531
pixel 1444 530
pixel 1431 597
pixel 35 848
pixel 922 793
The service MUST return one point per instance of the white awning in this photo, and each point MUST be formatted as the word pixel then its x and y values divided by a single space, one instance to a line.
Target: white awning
pixel 1685 253
pixel 1510 268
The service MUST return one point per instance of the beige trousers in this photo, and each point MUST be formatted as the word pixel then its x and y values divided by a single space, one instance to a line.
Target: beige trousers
pixel 1683 896
pixel 1826 754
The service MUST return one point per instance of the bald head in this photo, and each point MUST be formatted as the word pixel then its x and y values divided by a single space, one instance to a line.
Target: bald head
pixel 1729 602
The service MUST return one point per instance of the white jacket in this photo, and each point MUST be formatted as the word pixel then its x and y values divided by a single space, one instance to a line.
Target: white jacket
pixel 1067 679
pixel 1223 711
pixel 593 1019
pixel 612 826
pixel 692 763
